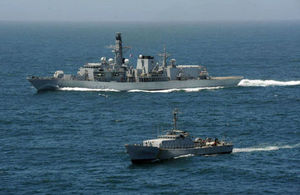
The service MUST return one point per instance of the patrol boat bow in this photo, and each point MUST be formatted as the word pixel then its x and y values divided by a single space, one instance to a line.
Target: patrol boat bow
pixel 173 144
pixel 118 74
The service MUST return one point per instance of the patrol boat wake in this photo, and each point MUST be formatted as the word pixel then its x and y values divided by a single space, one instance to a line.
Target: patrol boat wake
pixel 173 144
pixel 118 74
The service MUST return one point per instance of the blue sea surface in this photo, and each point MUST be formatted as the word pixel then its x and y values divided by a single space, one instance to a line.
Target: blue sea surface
pixel 72 141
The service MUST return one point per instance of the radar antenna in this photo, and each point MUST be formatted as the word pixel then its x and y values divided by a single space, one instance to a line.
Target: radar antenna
pixel 164 55
pixel 118 49
pixel 113 48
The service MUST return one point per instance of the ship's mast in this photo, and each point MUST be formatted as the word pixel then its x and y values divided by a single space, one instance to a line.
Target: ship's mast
pixel 118 50
pixel 165 55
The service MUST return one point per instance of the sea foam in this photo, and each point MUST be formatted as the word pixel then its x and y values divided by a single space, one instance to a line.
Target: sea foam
pixel 266 83
pixel 266 148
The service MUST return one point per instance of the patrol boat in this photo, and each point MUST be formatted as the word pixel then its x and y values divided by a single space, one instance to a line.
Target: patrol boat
pixel 118 74
pixel 175 143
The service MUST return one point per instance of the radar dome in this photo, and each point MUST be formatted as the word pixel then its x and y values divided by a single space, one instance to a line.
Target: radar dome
pixel 110 60
pixel 103 59
pixel 173 62
pixel 126 61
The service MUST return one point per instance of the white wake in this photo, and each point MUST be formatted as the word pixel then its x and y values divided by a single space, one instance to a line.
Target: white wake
pixel 138 90
pixel 86 89
pixel 184 156
pixel 174 90
pixel 266 83
pixel 266 148
pixel 243 83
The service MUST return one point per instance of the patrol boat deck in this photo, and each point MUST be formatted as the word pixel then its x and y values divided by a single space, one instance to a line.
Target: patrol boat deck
pixel 148 74
pixel 173 144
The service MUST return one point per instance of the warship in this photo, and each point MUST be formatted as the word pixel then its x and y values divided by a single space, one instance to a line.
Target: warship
pixel 173 144
pixel 118 74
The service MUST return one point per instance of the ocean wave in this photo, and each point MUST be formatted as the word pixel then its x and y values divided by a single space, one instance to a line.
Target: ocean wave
pixel 86 89
pixel 266 83
pixel 266 148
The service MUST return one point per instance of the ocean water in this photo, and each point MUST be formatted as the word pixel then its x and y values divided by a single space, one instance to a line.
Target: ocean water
pixel 72 140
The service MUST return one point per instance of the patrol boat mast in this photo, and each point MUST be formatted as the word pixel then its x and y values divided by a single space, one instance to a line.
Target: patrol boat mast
pixel 175 112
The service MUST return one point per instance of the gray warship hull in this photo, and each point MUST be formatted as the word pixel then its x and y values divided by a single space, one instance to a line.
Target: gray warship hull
pixel 141 154
pixel 41 84
pixel 119 74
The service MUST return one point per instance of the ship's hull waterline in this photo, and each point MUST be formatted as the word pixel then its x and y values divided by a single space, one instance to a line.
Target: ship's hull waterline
pixel 55 83
pixel 142 154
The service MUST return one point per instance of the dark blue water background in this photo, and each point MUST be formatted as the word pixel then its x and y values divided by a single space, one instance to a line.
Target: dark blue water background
pixel 73 141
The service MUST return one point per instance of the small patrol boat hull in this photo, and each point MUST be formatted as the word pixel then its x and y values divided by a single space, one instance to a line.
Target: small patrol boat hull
pixel 42 84
pixel 205 150
pixel 144 154
pixel 175 143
